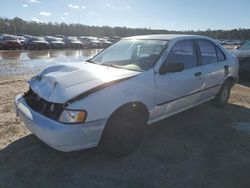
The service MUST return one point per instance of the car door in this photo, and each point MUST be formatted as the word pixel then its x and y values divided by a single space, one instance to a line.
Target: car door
pixel 177 91
pixel 214 65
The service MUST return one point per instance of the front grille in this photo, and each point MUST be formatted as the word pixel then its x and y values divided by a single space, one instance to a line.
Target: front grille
pixel 48 109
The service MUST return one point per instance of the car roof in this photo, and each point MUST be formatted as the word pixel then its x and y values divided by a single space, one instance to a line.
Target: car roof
pixel 167 37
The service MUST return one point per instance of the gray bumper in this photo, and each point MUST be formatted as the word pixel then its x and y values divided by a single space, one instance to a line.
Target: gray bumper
pixel 60 136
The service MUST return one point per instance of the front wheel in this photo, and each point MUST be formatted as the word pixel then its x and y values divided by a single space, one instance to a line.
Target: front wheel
pixel 222 97
pixel 123 133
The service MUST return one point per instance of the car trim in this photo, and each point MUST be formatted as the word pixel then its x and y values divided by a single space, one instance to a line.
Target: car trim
pixel 172 100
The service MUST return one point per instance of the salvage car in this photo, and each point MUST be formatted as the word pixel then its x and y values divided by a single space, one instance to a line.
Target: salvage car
pixel 55 42
pixel 73 42
pixel 10 42
pixel 109 100
pixel 35 43
pixel 243 55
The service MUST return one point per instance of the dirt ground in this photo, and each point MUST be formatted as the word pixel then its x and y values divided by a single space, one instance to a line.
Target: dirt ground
pixel 201 147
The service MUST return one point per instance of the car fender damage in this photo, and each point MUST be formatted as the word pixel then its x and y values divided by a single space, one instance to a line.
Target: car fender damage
pixel 61 83
pixel 52 109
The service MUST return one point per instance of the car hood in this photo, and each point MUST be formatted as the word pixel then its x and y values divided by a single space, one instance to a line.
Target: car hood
pixel 62 82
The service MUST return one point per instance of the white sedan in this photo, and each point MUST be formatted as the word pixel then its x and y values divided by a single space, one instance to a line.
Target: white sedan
pixel 110 99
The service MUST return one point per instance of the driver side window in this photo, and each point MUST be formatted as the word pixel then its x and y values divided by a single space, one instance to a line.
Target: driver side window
pixel 183 52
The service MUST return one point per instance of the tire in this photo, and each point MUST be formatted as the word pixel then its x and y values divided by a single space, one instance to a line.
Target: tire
pixel 222 97
pixel 123 133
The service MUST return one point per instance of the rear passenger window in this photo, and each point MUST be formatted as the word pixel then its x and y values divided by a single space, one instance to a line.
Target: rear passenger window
pixel 221 55
pixel 208 52
pixel 183 52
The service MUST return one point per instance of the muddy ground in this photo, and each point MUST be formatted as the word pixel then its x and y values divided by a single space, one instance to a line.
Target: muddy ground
pixel 201 147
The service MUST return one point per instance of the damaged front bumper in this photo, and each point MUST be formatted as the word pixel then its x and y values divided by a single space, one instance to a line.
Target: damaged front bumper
pixel 62 137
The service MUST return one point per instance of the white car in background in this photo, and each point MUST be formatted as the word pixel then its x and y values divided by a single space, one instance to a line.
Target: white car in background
pixel 110 99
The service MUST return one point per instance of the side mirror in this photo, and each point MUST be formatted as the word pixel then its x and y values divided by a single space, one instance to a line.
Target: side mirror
pixel 171 67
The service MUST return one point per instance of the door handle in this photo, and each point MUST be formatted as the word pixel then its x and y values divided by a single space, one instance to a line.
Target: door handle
pixel 197 74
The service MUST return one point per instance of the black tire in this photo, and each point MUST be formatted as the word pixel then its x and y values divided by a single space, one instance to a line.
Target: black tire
pixel 222 97
pixel 123 133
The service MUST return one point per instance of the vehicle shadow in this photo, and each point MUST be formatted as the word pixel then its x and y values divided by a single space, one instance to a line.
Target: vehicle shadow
pixel 196 148
pixel 245 82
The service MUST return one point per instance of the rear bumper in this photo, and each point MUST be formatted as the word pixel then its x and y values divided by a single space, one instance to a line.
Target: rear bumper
pixel 60 136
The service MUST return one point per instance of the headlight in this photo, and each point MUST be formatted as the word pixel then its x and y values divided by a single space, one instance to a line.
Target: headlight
pixel 73 116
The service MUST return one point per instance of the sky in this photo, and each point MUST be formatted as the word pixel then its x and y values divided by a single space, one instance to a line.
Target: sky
pixel 154 14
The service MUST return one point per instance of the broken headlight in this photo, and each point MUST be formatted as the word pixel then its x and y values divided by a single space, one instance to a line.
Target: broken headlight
pixel 73 116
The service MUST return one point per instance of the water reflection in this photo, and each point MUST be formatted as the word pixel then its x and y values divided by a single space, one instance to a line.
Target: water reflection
pixel 10 55
pixel 75 53
pixel 43 54
pixel 21 62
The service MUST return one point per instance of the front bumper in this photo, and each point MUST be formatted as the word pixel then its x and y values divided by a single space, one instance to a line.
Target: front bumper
pixel 60 136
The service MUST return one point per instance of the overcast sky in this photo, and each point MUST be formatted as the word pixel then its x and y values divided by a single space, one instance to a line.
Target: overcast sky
pixel 155 14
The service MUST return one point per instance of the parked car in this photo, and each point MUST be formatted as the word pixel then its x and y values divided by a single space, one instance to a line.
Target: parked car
pixel 35 43
pixel 60 36
pixel 95 43
pixel 1 40
pixel 85 41
pixel 243 55
pixel 90 42
pixel 55 42
pixel 105 43
pixel 114 39
pixel 9 42
pixel 109 99
pixel 73 42
pixel 21 39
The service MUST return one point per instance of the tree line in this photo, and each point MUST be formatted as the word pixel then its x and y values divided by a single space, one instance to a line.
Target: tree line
pixel 20 26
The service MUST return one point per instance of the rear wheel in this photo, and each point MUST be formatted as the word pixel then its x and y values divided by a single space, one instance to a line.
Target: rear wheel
pixel 123 133
pixel 223 96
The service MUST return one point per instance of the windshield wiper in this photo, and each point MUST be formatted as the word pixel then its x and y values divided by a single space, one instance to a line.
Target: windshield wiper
pixel 120 67
pixel 112 65
pixel 90 61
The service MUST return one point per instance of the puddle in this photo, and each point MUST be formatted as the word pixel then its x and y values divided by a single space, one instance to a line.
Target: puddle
pixel 22 62
pixel 242 126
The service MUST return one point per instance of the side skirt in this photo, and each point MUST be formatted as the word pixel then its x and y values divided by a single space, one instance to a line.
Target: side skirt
pixel 178 111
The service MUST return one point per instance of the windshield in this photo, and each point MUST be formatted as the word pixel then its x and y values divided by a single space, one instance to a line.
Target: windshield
pixel 138 55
